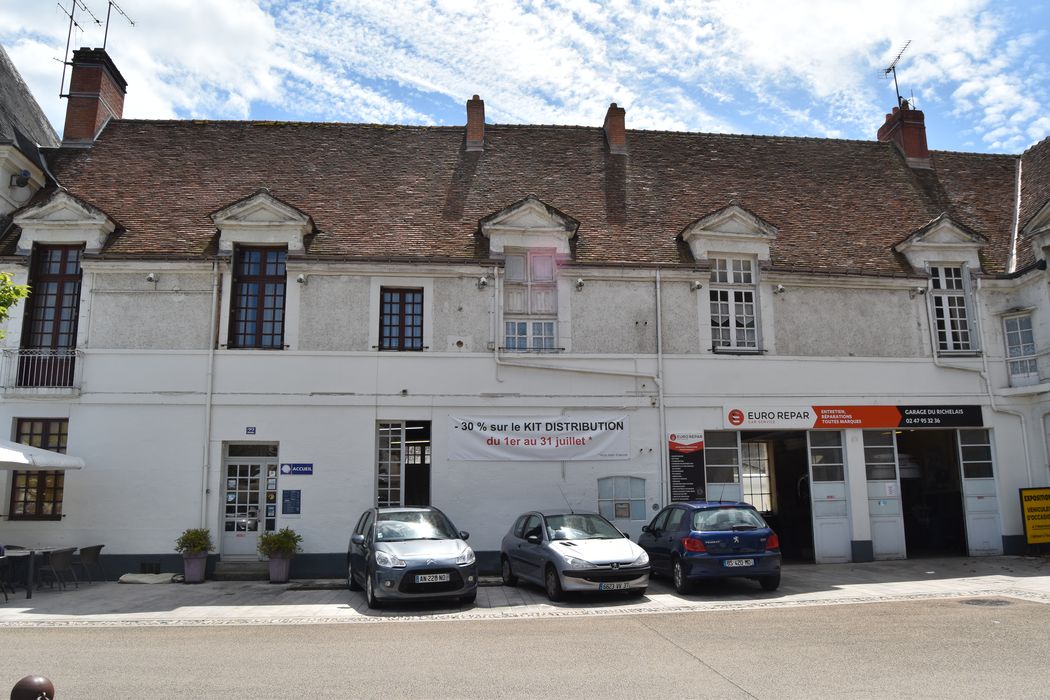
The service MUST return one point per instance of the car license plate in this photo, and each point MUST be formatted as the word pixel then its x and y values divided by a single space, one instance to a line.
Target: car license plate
pixel 618 586
pixel 431 578
pixel 740 562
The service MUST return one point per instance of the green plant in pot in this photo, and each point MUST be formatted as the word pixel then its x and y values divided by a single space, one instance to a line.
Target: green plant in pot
pixel 280 547
pixel 194 544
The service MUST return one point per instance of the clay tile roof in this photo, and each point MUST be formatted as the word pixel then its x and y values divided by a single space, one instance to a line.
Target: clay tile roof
pixel 411 192
pixel 1035 180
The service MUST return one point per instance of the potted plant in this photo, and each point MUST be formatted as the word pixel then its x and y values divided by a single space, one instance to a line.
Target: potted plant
pixel 194 544
pixel 280 547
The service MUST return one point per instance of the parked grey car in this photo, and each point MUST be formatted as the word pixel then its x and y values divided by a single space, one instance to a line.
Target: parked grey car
pixel 566 551
pixel 410 554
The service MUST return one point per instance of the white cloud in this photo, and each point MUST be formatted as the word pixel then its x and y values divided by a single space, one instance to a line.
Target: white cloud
pixel 713 65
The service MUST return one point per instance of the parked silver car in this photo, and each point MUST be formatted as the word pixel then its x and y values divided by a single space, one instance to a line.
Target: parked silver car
pixel 566 551
pixel 410 554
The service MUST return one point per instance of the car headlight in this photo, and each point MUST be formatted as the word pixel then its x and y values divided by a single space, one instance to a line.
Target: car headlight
pixel 642 559
pixel 389 560
pixel 466 557
pixel 577 563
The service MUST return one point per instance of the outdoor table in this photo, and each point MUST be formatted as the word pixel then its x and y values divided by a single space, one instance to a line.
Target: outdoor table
pixel 30 553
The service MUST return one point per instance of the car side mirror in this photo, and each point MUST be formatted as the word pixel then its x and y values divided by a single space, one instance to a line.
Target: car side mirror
pixel 358 539
pixel 533 539
pixel 626 536
pixel 464 535
pixel 646 528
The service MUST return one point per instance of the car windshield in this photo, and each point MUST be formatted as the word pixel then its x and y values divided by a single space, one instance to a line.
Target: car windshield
pixel 578 526
pixel 413 525
pixel 724 519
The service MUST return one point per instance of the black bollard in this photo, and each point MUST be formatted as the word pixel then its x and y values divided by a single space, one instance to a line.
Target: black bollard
pixel 33 688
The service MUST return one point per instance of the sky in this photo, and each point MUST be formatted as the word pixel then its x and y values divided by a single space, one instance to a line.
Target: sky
pixel 979 69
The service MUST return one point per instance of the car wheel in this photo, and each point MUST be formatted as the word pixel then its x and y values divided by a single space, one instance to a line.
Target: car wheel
pixel 509 579
pixel 552 584
pixel 678 578
pixel 351 582
pixel 370 594
pixel 770 583
pixel 469 598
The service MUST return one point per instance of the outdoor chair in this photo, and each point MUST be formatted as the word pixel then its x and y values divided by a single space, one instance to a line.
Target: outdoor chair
pixel 88 559
pixel 59 564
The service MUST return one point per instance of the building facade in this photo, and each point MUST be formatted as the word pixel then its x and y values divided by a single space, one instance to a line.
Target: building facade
pixel 246 326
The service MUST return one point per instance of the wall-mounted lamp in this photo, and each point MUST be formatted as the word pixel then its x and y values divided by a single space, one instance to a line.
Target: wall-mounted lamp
pixel 151 277
pixel 579 284
pixel 20 179
pixel 301 279
pixel 779 289
pixel 917 291
pixel 696 286
pixel 483 282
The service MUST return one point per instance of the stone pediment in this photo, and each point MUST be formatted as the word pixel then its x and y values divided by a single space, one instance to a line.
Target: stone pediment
pixel 529 223
pixel 261 219
pixel 732 230
pixel 63 219
pixel 942 240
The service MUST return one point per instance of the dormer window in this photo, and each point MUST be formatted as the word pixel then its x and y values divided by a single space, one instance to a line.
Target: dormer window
pixel 257 302
pixel 733 314
pixel 949 289
pixel 530 302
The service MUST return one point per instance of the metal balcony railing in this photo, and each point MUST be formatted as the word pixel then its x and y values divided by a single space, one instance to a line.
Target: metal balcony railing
pixel 31 370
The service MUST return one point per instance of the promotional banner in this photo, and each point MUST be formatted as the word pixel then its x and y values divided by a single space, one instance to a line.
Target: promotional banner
pixel 1035 511
pixel 686 466
pixel 539 438
pixel 866 417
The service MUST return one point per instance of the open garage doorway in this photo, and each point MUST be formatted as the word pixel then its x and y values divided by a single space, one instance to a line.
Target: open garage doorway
pixel 931 493
pixel 775 479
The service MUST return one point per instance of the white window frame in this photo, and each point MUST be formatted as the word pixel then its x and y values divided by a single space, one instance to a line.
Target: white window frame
pixel 530 298
pixel 734 283
pixel 1020 351
pixel 950 291
pixel 624 489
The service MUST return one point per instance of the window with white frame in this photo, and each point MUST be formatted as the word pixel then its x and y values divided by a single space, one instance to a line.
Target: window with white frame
pixel 734 321
pixel 1020 349
pixel 530 302
pixel 950 288
pixel 621 497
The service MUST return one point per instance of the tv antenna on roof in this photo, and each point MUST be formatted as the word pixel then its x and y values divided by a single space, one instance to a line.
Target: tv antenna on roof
pixel 892 68
pixel 71 13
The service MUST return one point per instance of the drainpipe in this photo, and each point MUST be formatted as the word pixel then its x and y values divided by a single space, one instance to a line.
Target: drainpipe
pixel 982 372
pixel 210 383
pixel 656 378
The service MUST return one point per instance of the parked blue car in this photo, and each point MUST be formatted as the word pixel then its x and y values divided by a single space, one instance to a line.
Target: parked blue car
pixel 704 540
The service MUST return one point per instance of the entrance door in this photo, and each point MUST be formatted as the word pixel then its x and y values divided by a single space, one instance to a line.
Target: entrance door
pixel 884 495
pixel 244 471
pixel 403 463
pixel 931 492
pixel 983 530
pixel 831 529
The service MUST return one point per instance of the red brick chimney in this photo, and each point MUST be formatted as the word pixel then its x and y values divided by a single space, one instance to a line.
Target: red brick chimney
pixel 475 124
pixel 906 127
pixel 615 129
pixel 96 95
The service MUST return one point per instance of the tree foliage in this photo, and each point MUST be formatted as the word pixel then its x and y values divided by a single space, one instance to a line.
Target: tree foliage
pixel 10 294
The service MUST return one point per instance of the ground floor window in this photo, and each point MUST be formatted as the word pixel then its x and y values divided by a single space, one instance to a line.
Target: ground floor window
pixel 756 475
pixel 621 497
pixel 37 495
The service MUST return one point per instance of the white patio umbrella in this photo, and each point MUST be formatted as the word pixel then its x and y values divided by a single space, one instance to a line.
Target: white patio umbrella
pixel 25 458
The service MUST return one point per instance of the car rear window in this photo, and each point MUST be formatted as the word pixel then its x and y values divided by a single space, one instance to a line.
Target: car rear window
pixel 722 519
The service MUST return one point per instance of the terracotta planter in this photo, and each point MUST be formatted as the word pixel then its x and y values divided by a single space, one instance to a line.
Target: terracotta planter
pixel 280 566
pixel 194 566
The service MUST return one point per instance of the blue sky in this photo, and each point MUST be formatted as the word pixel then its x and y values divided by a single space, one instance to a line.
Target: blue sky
pixel 980 70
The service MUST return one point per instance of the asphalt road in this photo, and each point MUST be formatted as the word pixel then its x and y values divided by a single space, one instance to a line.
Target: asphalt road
pixel 931 649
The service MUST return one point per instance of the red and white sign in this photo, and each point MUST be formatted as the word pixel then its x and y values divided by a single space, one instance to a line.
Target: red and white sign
pixel 543 438
pixel 839 417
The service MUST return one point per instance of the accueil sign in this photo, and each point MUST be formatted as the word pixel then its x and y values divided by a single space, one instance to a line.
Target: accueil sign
pixel 538 438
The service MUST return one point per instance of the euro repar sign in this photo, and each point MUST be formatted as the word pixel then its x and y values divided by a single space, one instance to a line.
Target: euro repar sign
pixel 538 438
pixel 866 417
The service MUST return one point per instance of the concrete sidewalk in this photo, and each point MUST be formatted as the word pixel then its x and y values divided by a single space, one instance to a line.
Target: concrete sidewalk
pixel 985 580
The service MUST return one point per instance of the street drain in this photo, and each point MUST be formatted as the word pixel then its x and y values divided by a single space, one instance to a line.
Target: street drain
pixel 986 601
